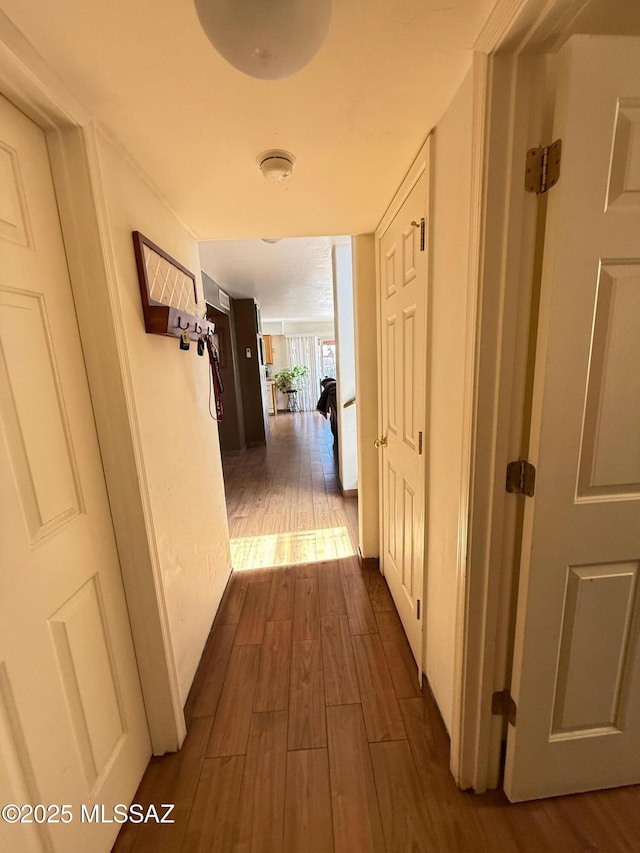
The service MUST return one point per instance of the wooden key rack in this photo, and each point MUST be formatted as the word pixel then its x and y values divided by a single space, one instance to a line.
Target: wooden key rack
pixel 168 293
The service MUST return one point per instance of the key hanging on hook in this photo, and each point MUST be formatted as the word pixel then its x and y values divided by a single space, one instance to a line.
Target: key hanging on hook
pixel 185 343
pixel 200 346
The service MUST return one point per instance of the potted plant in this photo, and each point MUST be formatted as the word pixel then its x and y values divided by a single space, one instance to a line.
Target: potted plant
pixel 291 378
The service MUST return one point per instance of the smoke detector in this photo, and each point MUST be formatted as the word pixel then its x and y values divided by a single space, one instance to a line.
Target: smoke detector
pixel 276 165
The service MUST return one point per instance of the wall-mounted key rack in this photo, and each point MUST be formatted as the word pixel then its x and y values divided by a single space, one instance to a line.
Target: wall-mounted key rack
pixel 168 293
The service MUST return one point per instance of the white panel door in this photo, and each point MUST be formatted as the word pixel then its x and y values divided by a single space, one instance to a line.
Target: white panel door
pixel 402 329
pixel 577 657
pixel 72 723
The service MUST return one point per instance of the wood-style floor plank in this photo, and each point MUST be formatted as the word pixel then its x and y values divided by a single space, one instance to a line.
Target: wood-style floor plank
pixel 306 570
pixel 356 816
pixel 402 666
pixel 379 704
pixel 231 725
pixel 331 592
pixel 207 685
pixel 253 616
pixel 281 596
pixel 308 821
pixel 237 802
pixel 304 547
pixel 261 824
pixel 233 599
pixel 174 782
pixel 460 821
pixel 272 690
pixel 359 610
pixel 405 821
pixel 213 823
pixel 378 590
pixel 306 614
pixel 340 676
pixel 307 722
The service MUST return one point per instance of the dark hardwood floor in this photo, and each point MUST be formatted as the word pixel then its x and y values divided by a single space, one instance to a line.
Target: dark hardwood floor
pixel 306 727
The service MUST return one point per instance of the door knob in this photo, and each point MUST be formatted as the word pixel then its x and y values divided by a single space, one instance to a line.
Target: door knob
pixel 380 442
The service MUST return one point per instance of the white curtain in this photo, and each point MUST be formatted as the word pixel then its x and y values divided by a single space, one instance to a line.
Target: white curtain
pixel 305 349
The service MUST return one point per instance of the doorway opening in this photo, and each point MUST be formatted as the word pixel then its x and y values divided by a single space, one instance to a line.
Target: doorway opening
pixel 283 311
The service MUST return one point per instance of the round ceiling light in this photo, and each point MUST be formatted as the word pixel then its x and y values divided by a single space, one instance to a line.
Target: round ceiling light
pixel 271 239
pixel 276 165
pixel 268 39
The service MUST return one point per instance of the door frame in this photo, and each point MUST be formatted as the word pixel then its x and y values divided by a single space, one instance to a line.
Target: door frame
pixel 518 39
pixel 71 137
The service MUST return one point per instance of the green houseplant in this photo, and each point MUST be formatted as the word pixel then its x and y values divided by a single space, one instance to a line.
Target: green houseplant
pixel 291 378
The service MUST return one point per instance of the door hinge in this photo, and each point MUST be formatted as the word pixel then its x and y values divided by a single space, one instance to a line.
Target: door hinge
pixel 502 705
pixel 419 444
pixel 521 478
pixel 543 167
pixel 418 608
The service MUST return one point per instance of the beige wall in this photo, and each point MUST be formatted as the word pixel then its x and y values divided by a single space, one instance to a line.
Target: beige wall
pixel 180 456
pixel 345 367
pixel 364 293
pixel 450 222
pixel 280 362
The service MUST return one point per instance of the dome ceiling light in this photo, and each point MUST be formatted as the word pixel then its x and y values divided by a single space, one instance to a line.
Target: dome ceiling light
pixel 271 239
pixel 267 39
pixel 276 165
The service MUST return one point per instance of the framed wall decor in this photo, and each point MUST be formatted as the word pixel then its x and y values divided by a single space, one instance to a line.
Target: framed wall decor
pixel 168 293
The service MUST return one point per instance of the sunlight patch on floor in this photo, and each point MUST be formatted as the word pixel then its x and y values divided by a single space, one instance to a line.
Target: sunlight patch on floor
pixel 285 549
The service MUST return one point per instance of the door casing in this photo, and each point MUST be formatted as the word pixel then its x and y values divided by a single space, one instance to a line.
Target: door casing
pixel 519 38
pixel 71 136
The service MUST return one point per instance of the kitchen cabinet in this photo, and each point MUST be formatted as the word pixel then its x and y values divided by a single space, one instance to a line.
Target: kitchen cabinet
pixel 268 349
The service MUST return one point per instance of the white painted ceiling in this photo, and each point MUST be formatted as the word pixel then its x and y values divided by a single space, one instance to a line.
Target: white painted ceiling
pixel 354 117
pixel 291 280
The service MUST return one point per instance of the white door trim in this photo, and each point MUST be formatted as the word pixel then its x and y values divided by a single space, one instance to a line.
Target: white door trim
pixel 514 39
pixel 27 81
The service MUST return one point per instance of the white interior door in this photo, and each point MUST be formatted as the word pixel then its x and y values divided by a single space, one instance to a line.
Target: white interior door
pixel 72 723
pixel 402 257
pixel 577 657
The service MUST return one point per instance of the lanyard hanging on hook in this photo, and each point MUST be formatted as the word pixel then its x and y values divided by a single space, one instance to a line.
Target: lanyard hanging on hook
pixel 216 378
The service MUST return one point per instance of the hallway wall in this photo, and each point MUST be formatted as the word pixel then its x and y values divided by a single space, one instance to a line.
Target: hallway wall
pixel 446 526
pixel 345 367
pixel 364 294
pixel 180 455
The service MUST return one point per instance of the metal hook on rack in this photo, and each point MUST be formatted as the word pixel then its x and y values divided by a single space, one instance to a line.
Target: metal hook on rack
pixel 197 328
pixel 180 326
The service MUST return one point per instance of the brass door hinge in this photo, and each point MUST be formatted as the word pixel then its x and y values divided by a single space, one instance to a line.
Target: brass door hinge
pixel 418 609
pixel 521 478
pixel 419 444
pixel 502 705
pixel 542 169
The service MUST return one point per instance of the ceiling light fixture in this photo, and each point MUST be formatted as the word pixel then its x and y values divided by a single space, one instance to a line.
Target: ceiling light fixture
pixel 276 165
pixel 271 239
pixel 267 39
